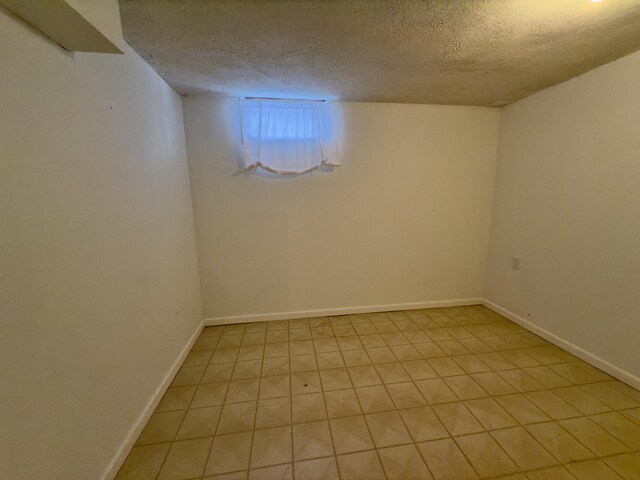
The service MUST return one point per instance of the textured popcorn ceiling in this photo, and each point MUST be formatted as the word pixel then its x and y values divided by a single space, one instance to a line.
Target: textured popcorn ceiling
pixel 473 52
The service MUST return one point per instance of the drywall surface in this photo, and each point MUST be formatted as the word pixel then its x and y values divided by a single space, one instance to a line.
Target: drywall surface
pixel 405 219
pixel 463 52
pixel 99 288
pixel 567 202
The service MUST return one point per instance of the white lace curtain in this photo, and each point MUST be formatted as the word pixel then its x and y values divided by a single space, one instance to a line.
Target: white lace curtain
pixel 288 137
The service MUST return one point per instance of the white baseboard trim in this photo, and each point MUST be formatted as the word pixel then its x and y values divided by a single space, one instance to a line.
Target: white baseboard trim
pixel 579 352
pixel 265 317
pixel 133 434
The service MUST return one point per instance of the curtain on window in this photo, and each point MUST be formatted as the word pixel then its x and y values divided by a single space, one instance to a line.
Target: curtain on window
pixel 288 137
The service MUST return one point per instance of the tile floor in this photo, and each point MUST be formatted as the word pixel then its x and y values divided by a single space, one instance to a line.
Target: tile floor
pixel 451 393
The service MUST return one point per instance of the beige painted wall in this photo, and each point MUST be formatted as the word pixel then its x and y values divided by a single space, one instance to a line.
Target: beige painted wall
pixel 98 286
pixel 568 202
pixel 405 219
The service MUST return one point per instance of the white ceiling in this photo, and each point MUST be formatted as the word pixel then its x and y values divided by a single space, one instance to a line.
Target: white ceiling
pixel 471 52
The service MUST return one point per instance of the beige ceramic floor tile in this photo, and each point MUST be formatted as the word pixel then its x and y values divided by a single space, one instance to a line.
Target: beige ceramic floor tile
pixel 468 363
pixel 243 390
pixel 349 343
pixel 465 387
pixel 210 394
pixel 553 473
pixel 373 340
pixel 303 363
pixel 218 372
pixel 423 424
pixel 392 373
pixel 405 353
pixel 177 398
pixel 275 386
pixel 429 350
pixel 552 405
pixel 490 414
pixel 271 446
pixel 405 395
pixel 620 427
pixel 632 414
pixel 273 412
pixel 318 469
pixel 593 437
pixel 446 461
pixel 419 370
pixel 306 382
pixel 457 419
pixel 273 350
pixel 445 367
pixel 277 336
pixel 251 352
pixel 229 453
pixel 237 417
pixel 520 359
pixel 520 380
pixel 205 343
pixel 387 429
pixel 312 440
pixel 227 341
pixel 581 400
pixel 278 472
pixel 523 449
pixel 364 376
pixel 161 427
pixel 559 442
pixel 186 459
pixel 275 366
pixel 471 364
pixel 342 403
pixel 323 345
pixel 547 377
pixel 593 470
pixel 144 462
pixel 199 422
pixel 301 347
pixel 374 399
pixel 229 476
pixel 627 465
pixel 485 455
pixel 356 358
pixel 435 391
pixel 330 360
pixel 493 383
pixel 307 408
pixel 453 347
pixel 224 355
pixel 337 379
pixel 381 355
pixel 188 376
pixel 404 463
pixel 495 361
pixel 350 434
pixel 247 369
pixel 520 408
pixel 359 466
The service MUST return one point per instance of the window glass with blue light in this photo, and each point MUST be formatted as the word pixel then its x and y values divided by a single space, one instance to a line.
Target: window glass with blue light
pixel 288 137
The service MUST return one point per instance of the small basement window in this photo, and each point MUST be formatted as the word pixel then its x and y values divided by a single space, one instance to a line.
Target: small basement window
pixel 288 137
